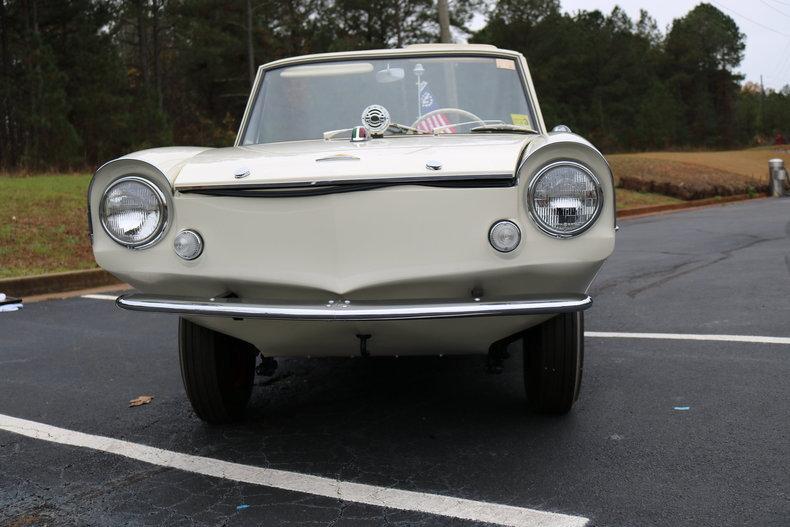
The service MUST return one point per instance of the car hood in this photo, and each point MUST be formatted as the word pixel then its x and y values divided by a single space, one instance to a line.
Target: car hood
pixel 308 163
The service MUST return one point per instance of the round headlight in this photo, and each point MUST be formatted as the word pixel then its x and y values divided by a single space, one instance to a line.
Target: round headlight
pixel 133 212
pixel 564 199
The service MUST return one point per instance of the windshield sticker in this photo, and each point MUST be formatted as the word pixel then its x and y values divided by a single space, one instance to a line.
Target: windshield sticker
pixel 505 64
pixel 520 119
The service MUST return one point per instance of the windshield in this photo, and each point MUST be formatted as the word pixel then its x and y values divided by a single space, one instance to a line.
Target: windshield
pixel 446 94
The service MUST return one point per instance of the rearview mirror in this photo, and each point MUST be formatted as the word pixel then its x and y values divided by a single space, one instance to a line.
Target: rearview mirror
pixel 389 75
pixel 327 70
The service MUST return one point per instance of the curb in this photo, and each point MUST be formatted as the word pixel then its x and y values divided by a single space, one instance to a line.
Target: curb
pixel 657 209
pixel 56 282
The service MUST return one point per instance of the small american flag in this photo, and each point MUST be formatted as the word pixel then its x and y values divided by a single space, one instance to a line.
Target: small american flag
pixel 428 104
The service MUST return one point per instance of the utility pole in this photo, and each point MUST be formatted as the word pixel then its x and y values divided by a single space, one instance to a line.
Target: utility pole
pixel 444 22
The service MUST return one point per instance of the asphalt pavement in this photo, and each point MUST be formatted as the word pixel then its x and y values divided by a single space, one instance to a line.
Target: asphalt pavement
pixel 669 432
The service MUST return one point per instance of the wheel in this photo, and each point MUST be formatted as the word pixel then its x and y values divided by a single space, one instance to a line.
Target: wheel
pixel 553 360
pixel 218 372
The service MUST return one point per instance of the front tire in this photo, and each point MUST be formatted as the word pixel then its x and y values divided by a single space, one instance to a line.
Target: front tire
pixel 553 363
pixel 218 372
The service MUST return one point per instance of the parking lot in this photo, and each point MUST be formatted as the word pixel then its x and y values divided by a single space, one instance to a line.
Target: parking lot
pixel 677 424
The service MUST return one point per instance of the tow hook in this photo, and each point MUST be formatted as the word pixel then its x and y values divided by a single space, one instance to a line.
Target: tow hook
pixel 363 345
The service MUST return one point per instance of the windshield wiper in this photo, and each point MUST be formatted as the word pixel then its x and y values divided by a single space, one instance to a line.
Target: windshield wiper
pixel 504 127
pixel 401 129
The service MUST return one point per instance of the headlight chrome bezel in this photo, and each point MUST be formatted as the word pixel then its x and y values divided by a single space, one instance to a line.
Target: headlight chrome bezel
pixel 164 222
pixel 546 229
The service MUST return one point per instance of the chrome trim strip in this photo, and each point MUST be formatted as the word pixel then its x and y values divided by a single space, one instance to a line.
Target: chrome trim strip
pixel 364 310
pixel 407 180
pixel 322 188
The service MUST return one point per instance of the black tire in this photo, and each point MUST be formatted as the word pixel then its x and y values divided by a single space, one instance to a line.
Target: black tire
pixel 218 372
pixel 553 363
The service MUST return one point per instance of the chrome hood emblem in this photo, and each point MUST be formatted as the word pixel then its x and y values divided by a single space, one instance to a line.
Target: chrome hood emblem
pixel 339 157
pixel 241 172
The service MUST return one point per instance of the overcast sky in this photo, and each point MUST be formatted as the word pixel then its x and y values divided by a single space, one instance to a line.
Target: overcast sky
pixel 766 24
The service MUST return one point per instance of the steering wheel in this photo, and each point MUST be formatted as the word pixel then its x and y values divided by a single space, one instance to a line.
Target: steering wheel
pixel 469 116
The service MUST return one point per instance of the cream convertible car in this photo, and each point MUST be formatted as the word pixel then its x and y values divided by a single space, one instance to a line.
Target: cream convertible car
pixel 376 203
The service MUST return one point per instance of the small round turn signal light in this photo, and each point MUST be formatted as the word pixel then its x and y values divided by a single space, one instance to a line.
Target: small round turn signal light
pixel 188 244
pixel 504 236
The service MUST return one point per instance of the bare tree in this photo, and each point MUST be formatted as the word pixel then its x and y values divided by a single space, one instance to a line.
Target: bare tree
pixel 5 118
pixel 250 49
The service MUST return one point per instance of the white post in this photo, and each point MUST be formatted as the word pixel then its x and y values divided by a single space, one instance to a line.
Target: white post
pixel 776 176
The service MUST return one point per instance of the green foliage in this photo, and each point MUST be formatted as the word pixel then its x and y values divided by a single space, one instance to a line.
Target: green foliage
pixel 622 83
pixel 370 24
pixel 83 81
pixel 43 224
pixel 701 50
pixel 33 97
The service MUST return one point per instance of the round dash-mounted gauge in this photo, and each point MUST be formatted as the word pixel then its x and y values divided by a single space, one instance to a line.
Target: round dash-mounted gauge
pixel 376 119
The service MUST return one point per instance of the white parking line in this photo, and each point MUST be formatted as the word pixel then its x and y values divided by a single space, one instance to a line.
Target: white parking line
pixel 689 336
pixel 100 297
pixel 406 500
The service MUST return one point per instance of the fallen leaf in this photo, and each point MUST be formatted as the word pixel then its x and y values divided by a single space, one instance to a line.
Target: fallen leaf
pixel 141 400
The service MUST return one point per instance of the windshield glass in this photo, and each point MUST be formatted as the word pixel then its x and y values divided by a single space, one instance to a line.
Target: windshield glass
pixel 449 94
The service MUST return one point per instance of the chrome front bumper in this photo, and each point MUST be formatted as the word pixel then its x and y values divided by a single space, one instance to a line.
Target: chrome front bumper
pixel 347 310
